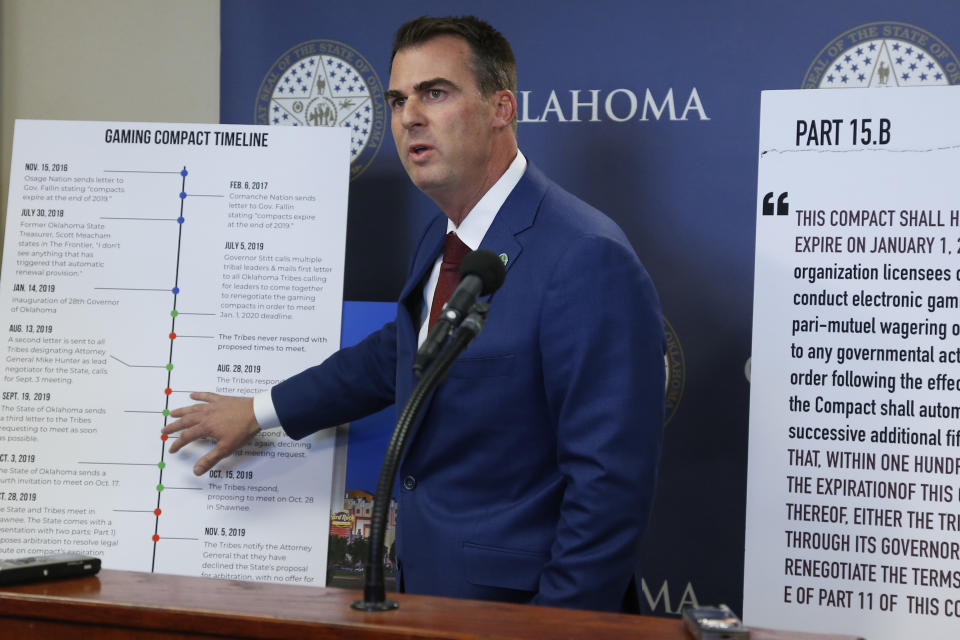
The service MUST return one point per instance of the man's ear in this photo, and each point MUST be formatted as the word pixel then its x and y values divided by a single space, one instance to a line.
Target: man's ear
pixel 506 107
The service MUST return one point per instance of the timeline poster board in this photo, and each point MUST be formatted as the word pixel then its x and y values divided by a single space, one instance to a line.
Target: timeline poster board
pixel 853 508
pixel 142 262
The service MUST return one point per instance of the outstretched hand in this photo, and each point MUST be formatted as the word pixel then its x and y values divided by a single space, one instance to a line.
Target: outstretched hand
pixel 227 420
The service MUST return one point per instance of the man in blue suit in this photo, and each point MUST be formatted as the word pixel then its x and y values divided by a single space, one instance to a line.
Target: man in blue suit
pixel 530 475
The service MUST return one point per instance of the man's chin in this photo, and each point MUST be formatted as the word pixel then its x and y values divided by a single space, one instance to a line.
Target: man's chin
pixel 424 179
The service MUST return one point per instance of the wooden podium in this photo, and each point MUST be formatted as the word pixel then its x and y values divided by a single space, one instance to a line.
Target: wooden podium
pixel 121 604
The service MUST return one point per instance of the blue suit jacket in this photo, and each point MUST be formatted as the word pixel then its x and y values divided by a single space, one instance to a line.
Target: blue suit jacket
pixel 531 472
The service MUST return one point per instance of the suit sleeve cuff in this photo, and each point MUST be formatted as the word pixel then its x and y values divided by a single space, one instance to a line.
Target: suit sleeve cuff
pixel 264 411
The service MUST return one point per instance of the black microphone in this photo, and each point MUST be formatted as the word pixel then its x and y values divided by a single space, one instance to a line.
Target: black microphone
pixel 481 273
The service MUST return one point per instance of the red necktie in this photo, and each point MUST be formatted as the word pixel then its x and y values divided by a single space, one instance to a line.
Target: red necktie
pixel 453 252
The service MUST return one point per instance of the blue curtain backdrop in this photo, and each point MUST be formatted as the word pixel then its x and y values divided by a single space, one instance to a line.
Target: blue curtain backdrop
pixel 647 110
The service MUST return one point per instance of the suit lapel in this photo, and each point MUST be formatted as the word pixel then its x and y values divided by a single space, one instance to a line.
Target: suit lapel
pixel 515 216
pixel 409 310
pixel 430 247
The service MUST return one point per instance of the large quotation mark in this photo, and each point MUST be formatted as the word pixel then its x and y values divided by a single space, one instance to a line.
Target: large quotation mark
pixel 783 207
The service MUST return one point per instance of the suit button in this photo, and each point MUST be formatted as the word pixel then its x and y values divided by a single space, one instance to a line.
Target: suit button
pixel 409 483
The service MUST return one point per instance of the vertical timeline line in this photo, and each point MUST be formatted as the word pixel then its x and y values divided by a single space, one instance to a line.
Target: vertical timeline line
pixel 168 390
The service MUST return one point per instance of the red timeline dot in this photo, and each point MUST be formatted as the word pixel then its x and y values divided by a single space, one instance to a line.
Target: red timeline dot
pixel 173 336
pixel 156 538
pixel 168 391
pixel 164 437
pixel 156 512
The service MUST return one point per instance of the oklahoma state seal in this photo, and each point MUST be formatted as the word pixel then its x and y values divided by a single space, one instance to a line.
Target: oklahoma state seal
pixel 324 83
pixel 883 54
pixel 676 367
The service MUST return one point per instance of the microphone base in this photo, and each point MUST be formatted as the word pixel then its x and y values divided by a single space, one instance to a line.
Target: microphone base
pixel 385 605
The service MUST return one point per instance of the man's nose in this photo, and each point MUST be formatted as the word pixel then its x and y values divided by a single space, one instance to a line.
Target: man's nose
pixel 412 114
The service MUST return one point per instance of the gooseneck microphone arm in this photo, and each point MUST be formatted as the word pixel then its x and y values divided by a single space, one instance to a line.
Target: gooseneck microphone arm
pixel 481 273
pixel 374 590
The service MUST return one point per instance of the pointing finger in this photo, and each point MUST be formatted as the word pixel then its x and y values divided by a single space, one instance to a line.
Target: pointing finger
pixel 186 437
pixel 208 461
pixel 205 396
pixel 188 409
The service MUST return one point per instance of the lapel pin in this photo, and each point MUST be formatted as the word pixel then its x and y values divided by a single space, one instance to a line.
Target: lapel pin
pixel 504 258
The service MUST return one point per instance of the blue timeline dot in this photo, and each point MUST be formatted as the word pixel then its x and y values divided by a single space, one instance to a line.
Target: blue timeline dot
pixel 180 220
pixel 175 290
pixel 184 173
pixel 183 195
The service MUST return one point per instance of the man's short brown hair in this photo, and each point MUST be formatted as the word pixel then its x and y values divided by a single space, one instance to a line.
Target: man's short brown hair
pixel 493 61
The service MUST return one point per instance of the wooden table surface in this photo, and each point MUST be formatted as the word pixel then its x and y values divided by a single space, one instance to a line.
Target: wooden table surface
pixel 121 604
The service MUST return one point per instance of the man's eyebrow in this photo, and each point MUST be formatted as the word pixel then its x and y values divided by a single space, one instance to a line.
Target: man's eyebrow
pixel 434 83
pixel 420 87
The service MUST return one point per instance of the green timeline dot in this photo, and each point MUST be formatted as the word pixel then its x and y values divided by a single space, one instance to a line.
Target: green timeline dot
pixel 161 465
pixel 174 313
pixel 159 487
pixel 170 367
pixel 166 412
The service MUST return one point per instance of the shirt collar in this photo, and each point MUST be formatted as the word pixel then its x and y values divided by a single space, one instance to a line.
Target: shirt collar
pixel 474 226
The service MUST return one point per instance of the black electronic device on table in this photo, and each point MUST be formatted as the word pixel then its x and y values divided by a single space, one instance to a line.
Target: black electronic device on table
pixel 51 567
pixel 714 623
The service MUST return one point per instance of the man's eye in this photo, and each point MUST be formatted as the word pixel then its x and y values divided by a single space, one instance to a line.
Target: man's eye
pixel 397 102
pixel 436 94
